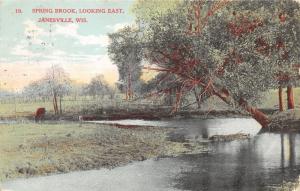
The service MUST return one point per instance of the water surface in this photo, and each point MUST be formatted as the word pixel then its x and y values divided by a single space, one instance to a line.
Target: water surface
pixel 260 163
pixel 207 127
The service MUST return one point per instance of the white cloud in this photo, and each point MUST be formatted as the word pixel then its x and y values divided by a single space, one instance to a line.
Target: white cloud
pixel 21 50
pixel 71 30
pixel 66 30
pixel 33 32
pixel 4 60
pixel 31 26
pixel 118 26
pixel 59 52
pixel 102 40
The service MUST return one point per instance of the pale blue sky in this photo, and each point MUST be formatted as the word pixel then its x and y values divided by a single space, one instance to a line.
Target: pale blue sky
pixel 28 47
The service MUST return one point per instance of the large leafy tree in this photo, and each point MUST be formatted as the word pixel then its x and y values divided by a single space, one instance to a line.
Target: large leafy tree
pixel 285 47
pixel 234 50
pixel 125 52
pixel 278 38
pixel 180 44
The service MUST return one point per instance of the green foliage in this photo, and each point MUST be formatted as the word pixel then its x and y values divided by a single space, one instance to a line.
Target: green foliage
pixel 240 46
pixel 146 9
pixel 98 86
pixel 125 50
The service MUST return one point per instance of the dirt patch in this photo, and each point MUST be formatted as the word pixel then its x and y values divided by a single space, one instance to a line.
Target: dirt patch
pixel 232 137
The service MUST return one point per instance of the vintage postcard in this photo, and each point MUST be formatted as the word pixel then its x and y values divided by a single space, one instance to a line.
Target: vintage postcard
pixel 149 95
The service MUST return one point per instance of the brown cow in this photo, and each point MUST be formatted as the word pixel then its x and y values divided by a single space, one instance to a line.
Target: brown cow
pixel 40 114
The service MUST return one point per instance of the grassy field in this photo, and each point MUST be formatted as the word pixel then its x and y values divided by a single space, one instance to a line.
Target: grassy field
pixel 29 149
pixel 79 106
pixel 19 108
pixel 271 99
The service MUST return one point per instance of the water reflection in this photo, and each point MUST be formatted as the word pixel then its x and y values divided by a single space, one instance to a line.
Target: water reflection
pixel 256 164
pixel 199 127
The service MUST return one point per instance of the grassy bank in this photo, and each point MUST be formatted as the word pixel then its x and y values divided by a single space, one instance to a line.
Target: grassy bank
pixel 288 121
pixel 29 149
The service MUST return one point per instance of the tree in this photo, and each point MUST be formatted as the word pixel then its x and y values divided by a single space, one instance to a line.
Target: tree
pixel 125 52
pixel 39 89
pixel 281 43
pixel 277 42
pixel 59 84
pixel 287 45
pixel 55 84
pixel 98 86
pixel 187 43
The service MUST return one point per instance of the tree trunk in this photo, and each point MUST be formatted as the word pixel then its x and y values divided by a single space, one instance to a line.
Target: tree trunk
pixel 53 101
pixel 280 98
pixel 128 87
pixel 55 107
pixel 197 98
pixel 177 101
pixel 290 97
pixel 60 105
pixel 130 92
pixel 126 93
pixel 259 116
